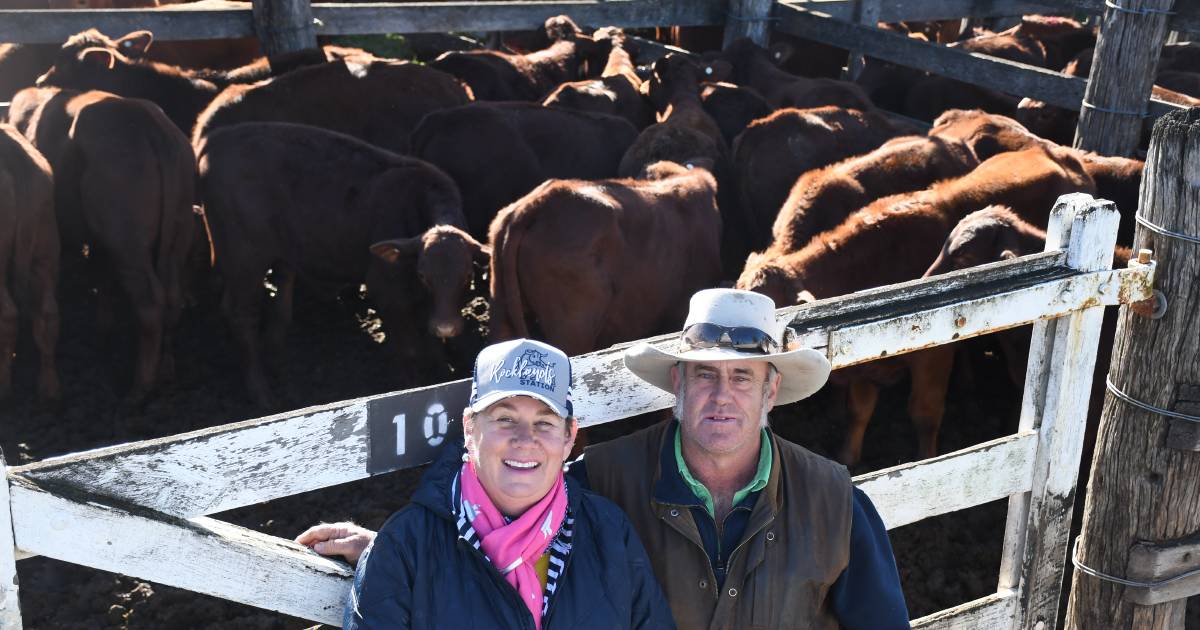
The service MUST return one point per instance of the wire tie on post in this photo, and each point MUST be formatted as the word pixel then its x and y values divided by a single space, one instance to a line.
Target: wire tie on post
pixel 1146 406
pixel 1113 5
pixel 1158 229
pixel 1122 581
pixel 1118 112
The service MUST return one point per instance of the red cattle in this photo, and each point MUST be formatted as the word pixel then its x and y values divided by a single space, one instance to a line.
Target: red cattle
pixel 773 152
pixel 892 240
pixel 497 76
pixel 29 250
pixel 985 133
pixel 124 184
pixel 497 152
pixel 586 264
pixel 616 92
pixel 332 210
pixel 376 101
pixel 684 131
pixel 822 198
pixel 752 67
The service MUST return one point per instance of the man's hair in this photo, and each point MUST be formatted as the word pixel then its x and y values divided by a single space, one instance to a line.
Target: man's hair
pixel 681 391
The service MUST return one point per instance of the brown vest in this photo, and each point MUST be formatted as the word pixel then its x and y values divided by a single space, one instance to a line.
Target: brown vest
pixel 796 544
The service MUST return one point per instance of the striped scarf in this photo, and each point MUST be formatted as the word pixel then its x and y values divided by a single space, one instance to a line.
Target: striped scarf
pixel 519 543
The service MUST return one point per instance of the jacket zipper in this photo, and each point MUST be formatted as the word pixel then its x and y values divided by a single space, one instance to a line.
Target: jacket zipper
pixel 504 587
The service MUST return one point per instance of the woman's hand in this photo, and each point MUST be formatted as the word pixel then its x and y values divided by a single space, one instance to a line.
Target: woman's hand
pixel 337 539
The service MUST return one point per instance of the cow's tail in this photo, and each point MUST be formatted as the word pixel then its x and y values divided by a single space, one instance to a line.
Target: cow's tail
pixel 178 193
pixel 21 242
pixel 508 308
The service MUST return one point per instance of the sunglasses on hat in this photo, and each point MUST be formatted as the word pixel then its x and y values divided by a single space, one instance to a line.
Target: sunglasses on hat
pixel 704 335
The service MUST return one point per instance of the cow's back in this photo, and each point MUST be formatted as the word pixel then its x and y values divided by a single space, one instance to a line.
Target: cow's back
pixel 378 102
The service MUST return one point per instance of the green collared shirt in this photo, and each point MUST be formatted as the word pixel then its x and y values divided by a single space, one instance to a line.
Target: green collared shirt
pixel 757 483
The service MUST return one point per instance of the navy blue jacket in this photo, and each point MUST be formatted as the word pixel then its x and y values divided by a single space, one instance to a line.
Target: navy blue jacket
pixel 418 573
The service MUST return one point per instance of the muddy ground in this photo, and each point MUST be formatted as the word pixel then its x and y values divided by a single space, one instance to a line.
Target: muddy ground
pixel 943 561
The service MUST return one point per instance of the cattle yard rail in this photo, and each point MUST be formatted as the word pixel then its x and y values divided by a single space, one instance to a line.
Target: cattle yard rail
pixel 140 508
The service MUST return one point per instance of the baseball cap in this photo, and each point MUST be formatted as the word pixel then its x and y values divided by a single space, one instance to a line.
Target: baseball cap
pixel 522 367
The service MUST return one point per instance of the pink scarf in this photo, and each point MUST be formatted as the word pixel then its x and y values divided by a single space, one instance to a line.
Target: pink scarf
pixel 514 548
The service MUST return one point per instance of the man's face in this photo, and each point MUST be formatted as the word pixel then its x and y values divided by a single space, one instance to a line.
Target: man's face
pixel 723 405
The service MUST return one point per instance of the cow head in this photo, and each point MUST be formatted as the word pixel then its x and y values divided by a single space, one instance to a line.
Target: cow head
pixel 771 278
pixel 675 75
pixel 86 59
pixel 984 236
pixel 443 259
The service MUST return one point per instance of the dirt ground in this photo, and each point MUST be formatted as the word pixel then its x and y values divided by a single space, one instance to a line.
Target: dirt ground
pixel 943 561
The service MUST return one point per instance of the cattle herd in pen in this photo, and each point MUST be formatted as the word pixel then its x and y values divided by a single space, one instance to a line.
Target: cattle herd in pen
pixel 597 193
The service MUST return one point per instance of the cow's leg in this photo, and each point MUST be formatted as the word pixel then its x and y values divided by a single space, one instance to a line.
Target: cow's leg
pixel 44 319
pixel 148 299
pixel 930 370
pixel 862 396
pixel 241 304
pixel 280 315
pixel 9 323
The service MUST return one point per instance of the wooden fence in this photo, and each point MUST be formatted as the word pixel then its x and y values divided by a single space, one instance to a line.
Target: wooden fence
pixel 139 509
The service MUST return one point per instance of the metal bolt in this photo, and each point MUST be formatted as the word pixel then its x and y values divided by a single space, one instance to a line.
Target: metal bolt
pixel 674 512
pixel 1144 255
pixel 960 321
pixel 733 592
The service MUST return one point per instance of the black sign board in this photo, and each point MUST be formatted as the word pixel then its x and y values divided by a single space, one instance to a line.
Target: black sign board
pixel 409 429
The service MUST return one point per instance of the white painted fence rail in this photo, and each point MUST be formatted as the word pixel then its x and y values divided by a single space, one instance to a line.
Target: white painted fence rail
pixel 138 508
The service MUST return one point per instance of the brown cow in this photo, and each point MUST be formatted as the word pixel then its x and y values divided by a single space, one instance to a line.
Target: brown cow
pixel 616 92
pixel 823 198
pixel 332 210
pixel 124 185
pixel 29 252
pixel 375 101
pixel 773 152
pixel 684 131
pixel 497 76
pixel 497 152
pixel 892 240
pixel 586 264
pixel 752 67
pixel 985 133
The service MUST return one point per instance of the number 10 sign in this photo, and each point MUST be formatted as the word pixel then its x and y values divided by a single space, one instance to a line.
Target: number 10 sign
pixel 409 429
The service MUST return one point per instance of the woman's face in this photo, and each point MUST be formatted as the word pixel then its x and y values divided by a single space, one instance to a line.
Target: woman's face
pixel 518 446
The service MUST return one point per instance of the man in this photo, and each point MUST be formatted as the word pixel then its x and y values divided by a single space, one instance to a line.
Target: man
pixel 744 529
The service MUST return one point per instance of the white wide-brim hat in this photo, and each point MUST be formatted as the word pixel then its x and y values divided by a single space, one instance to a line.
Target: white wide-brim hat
pixel 804 370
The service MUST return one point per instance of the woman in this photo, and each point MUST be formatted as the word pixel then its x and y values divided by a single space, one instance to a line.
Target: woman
pixel 496 536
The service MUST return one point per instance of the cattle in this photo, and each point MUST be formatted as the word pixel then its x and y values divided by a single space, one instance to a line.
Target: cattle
pixel 822 198
pixel 497 152
pixel 773 152
pixel 124 185
pixel 331 210
pixel 752 67
pixel 29 251
pixel 732 107
pixel 1062 38
pixel 616 92
pixel 585 264
pixel 684 130
pixel 986 134
pixel 497 76
pixel 892 240
pixel 375 101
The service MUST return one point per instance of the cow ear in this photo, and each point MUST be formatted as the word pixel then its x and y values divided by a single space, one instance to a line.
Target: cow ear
pixel 717 70
pixel 393 251
pixel 98 57
pixel 780 53
pixel 135 44
pixel 805 297
pixel 483 255
pixel 1008 254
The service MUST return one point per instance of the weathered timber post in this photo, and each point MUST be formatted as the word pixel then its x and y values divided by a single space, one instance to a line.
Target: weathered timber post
pixel 748 18
pixel 10 605
pixel 284 26
pixel 866 12
pixel 1143 500
pixel 1062 357
pixel 1123 67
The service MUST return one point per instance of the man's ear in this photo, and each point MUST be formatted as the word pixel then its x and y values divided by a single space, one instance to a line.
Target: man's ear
pixel 677 374
pixel 773 390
